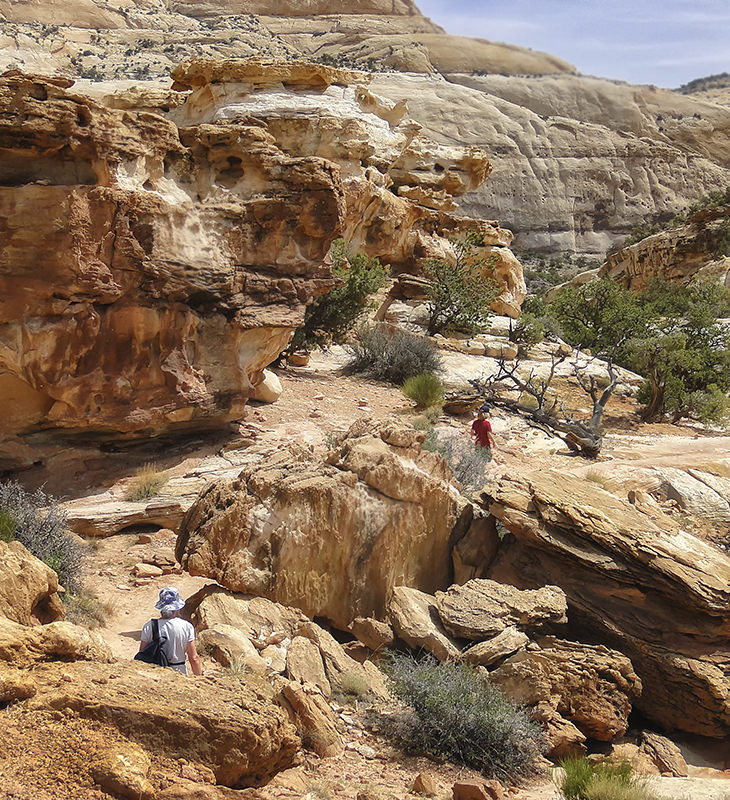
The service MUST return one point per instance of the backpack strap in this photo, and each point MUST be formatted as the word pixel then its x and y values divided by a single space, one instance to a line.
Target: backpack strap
pixel 155 631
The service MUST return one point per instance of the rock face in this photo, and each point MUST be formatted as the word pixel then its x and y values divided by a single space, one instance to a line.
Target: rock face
pixel 482 609
pixel 591 687
pixel 579 161
pixel 331 539
pixel 233 727
pixel 697 249
pixel 593 147
pixel 182 235
pixel 150 38
pixel 657 595
pixel 28 588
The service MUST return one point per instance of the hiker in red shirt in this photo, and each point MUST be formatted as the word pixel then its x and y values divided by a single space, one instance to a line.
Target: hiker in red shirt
pixel 481 430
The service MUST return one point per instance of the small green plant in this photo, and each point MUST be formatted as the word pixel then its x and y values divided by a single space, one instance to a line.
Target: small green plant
pixel 148 481
pixel 350 688
pixel 84 608
pixel 39 524
pixel 457 714
pixel 7 526
pixel 391 355
pixel 426 390
pixel 460 293
pixel 584 780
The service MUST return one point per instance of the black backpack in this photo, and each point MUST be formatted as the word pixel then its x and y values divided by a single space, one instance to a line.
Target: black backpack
pixel 153 653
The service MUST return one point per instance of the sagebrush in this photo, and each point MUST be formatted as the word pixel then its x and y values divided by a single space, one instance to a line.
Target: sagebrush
pixel 458 715
pixel 36 520
pixel 391 355
pixel 468 460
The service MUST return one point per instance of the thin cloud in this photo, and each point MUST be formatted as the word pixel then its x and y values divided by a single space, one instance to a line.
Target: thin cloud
pixel 640 41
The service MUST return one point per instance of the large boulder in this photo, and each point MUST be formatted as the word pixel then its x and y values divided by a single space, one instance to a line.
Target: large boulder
pixel 658 595
pixel 28 587
pixel 24 647
pixel 330 539
pixel 590 686
pixel 414 617
pixel 481 609
pixel 231 726
pixel 287 641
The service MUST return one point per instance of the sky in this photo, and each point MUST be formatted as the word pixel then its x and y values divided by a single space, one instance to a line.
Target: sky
pixel 662 42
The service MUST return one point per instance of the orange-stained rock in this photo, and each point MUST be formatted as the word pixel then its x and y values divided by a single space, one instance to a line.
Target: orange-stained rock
pixel 658 595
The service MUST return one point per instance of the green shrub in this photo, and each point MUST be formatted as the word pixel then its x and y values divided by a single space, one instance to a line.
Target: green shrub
pixel 148 481
pixel 391 355
pixel 460 293
pixel 426 390
pixel 331 317
pixel 39 524
pixel 583 780
pixel 458 715
pixel 7 526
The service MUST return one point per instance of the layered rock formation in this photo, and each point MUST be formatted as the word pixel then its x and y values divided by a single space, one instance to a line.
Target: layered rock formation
pixel 697 249
pixel 579 161
pixel 181 243
pixel 657 594
pixel 149 37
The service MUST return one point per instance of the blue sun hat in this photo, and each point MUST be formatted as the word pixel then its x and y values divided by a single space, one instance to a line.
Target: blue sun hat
pixel 170 600
pixel 484 409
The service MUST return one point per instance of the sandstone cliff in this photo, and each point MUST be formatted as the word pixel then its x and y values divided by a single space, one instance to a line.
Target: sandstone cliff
pixel 161 247
pixel 696 249
pixel 578 161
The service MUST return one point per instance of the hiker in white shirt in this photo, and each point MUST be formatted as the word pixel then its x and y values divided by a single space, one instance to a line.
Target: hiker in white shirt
pixel 179 633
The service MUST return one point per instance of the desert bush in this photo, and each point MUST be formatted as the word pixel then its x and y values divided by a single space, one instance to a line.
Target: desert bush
pixel 350 688
pixel 83 608
pixel 391 355
pixel 39 524
pixel 458 715
pixel 584 780
pixel 426 390
pixel 460 293
pixel 148 481
pixel 467 460
pixel 331 317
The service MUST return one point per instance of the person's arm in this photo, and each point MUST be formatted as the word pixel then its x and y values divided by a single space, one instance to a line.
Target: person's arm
pixel 491 439
pixel 192 654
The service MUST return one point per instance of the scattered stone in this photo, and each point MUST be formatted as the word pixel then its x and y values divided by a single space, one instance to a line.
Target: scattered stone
pixel 424 784
pixel 477 790
pixel 142 571
pixel 664 753
pixel 123 768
